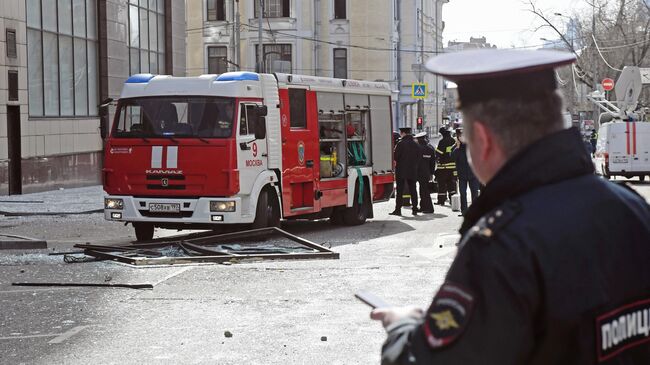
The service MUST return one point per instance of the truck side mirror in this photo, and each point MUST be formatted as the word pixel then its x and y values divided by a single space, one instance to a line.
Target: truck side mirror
pixel 262 110
pixel 106 102
pixel 260 127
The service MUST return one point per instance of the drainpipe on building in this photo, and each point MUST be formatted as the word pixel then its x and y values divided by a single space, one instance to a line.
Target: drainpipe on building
pixel 232 36
pixel 260 46
pixel 437 81
pixel 317 24
pixel 398 111
pixel 237 36
pixel 420 17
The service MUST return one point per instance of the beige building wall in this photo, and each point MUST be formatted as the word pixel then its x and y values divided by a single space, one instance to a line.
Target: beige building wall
pixel 369 33
pixel 58 149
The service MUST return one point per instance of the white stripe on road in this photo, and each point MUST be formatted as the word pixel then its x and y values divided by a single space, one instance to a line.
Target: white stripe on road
pixel 172 157
pixel 67 334
pixel 172 275
pixel 24 337
pixel 156 157
pixel 36 290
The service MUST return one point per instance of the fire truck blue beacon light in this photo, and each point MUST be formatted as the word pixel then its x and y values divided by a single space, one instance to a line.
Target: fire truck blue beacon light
pixel 239 76
pixel 140 78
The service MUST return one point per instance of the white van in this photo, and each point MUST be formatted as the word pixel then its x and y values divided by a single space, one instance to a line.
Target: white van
pixel 623 149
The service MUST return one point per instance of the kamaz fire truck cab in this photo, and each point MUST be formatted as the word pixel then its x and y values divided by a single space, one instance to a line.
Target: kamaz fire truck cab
pixel 246 149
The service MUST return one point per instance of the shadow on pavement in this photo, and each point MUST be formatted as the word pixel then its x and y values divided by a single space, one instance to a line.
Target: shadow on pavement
pixel 323 231
pixel 422 217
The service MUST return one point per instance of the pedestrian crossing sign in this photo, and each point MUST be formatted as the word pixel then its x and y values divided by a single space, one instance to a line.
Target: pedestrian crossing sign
pixel 418 90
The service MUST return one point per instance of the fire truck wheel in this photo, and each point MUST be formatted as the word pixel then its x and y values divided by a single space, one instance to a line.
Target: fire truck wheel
pixel 143 231
pixel 267 213
pixel 358 213
pixel 641 177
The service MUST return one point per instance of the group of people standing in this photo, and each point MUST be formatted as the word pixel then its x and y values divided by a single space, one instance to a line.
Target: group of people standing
pixel 418 162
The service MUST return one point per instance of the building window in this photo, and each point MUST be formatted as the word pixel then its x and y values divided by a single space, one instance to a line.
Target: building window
pixel 340 9
pixel 273 8
pixel 216 10
pixel 12 52
pixel 147 36
pixel 277 58
pixel 62 74
pixel 340 63
pixel 12 80
pixel 217 60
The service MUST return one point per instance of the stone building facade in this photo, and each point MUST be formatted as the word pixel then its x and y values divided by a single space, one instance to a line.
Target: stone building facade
pixel 58 60
pixel 376 40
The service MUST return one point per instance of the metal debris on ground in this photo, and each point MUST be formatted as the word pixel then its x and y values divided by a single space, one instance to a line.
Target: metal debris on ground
pixel 253 245
pixel 94 285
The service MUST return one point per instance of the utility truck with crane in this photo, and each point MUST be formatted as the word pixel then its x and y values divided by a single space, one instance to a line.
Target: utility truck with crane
pixel 623 146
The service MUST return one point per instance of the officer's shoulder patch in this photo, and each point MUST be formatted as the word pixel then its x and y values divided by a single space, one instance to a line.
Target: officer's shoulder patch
pixel 448 315
pixel 622 329
pixel 495 220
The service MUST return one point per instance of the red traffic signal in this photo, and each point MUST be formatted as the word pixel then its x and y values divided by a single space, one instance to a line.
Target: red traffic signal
pixel 420 122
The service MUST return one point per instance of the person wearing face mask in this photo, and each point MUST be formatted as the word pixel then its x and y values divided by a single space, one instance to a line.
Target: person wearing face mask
pixel 466 177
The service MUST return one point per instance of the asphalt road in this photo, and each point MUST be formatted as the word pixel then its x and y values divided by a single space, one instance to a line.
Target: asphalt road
pixel 291 312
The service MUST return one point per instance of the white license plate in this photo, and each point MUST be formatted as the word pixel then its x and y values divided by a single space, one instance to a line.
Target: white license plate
pixel 165 207
pixel 620 160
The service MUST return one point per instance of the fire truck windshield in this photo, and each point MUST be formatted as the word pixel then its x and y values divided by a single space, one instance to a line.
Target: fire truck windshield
pixel 170 117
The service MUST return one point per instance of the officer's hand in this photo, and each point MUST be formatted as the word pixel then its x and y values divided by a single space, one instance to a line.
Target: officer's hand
pixel 390 315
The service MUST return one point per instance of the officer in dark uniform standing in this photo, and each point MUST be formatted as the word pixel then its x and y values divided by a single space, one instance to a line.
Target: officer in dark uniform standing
pixel 446 170
pixel 552 267
pixel 407 159
pixel 425 172
pixel 466 177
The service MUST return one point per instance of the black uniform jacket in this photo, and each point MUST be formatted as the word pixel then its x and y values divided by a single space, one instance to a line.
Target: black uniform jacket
pixel 428 164
pixel 553 268
pixel 445 146
pixel 462 165
pixel 407 158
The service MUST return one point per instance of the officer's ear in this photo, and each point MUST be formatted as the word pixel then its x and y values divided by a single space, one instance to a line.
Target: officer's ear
pixel 486 152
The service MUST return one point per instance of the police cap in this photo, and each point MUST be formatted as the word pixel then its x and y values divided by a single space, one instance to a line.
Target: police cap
pixel 406 130
pixel 487 74
pixel 421 135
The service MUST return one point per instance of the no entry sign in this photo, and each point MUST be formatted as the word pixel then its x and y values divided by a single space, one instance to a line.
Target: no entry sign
pixel 608 84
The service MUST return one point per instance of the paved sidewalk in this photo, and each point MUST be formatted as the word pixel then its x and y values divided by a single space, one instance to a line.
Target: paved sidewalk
pixel 75 200
pixel 62 202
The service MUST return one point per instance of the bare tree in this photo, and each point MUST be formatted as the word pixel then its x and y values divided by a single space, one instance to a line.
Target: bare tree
pixel 619 37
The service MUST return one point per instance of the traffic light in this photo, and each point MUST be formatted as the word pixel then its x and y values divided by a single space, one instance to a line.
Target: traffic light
pixel 420 123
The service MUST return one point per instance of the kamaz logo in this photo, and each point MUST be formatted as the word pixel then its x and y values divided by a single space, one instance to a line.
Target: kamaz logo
pixel 164 172
pixel 164 181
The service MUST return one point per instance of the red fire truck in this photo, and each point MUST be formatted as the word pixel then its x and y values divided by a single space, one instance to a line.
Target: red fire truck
pixel 247 149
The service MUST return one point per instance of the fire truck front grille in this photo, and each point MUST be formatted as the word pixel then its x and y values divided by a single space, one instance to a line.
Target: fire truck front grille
pixel 169 177
pixel 168 187
pixel 182 214
pixel 165 182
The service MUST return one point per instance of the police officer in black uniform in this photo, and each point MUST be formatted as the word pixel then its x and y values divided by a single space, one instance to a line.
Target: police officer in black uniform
pixel 445 174
pixel 407 159
pixel 552 267
pixel 425 171
pixel 466 178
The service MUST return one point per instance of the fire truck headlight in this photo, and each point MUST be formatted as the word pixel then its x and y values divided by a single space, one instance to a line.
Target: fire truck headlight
pixel 222 206
pixel 113 203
